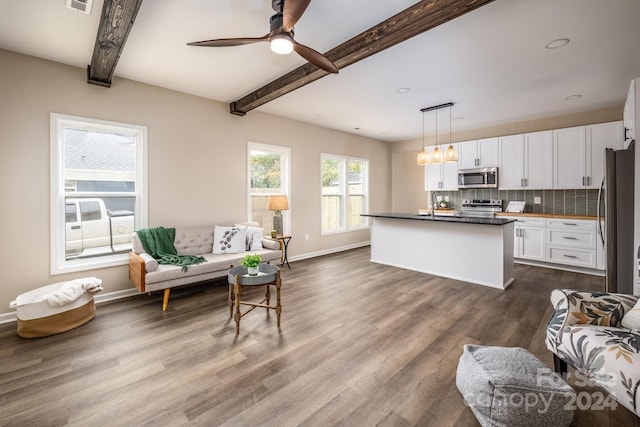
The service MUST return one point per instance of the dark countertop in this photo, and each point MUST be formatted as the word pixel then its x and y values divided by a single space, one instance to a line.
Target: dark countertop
pixel 458 219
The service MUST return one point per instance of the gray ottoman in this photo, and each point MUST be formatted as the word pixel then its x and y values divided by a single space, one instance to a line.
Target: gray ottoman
pixel 511 387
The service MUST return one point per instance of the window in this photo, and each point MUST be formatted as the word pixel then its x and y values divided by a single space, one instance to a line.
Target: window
pixel 345 193
pixel 98 191
pixel 268 168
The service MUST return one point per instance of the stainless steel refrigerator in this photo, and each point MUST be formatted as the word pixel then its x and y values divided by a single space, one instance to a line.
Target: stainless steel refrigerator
pixel 618 190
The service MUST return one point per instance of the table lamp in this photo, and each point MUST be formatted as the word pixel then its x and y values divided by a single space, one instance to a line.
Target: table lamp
pixel 278 203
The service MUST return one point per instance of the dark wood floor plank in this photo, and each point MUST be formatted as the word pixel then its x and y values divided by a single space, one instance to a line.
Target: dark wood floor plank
pixel 360 344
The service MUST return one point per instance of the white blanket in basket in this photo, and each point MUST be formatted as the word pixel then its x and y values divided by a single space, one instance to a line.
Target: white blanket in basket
pixel 71 291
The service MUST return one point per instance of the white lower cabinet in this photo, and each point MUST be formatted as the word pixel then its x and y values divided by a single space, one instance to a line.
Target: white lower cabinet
pixel 529 238
pixel 571 242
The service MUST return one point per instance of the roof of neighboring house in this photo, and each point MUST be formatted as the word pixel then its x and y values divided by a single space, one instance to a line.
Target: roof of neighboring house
pixel 99 151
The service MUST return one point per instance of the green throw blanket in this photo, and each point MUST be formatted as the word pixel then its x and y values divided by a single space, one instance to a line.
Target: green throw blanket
pixel 158 242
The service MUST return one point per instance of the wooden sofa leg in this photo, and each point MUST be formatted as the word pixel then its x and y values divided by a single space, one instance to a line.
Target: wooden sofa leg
pixel 165 300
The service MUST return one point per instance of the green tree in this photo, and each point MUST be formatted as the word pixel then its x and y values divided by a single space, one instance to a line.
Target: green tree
pixel 265 171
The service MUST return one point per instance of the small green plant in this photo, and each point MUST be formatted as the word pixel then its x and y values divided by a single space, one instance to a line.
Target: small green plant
pixel 251 260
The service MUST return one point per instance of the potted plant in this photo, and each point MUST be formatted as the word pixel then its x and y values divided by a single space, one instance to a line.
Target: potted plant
pixel 251 261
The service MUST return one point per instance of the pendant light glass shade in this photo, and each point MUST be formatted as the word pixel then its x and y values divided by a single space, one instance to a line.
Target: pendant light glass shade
pixel 436 155
pixel 423 158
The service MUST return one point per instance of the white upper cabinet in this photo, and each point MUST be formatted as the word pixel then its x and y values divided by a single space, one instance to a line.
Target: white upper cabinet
pixel 629 115
pixel 511 167
pixel 538 160
pixel 441 176
pixel 479 154
pixel 599 138
pixel 568 157
pixel 526 161
pixel 578 154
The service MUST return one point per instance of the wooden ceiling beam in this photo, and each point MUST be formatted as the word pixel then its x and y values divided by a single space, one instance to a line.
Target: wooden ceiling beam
pixel 115 24
pixel 417 19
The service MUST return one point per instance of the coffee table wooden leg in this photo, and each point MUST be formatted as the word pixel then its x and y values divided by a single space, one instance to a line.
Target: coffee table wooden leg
pixel 278 305
pixel 236 291
pixel 231 300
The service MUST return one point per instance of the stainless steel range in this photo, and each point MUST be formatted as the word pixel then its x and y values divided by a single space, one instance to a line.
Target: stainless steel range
pixel 480 208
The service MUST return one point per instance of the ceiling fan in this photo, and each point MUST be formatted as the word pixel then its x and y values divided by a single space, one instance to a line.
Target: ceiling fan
pixel 288 12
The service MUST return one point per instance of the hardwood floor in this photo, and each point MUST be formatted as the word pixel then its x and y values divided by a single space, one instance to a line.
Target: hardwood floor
pixel 361 345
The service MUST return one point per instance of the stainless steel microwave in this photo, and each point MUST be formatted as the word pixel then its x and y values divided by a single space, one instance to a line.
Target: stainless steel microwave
pixel 478 178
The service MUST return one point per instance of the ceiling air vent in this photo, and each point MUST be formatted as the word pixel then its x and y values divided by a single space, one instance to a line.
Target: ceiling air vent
pixel 83 6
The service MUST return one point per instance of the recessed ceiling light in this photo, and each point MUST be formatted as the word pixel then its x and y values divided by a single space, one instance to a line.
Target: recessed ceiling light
pixel 572 97
pixel 554 44
pixel 357 128
pixel 403 90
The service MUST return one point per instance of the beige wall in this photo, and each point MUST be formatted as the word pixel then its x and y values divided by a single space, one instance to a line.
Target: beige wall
pixel 197 164
pixel 408 178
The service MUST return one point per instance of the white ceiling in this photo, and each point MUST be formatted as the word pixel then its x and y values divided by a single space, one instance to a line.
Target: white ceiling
pixel 492 63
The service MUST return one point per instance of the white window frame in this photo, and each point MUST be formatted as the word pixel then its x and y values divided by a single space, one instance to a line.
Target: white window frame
pixel 345 194
pixel 60 265
pixel 285 181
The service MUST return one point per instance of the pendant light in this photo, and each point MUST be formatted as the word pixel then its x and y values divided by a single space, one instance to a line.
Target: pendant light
pixel 436 154
pixel 451 155
pixel 424 158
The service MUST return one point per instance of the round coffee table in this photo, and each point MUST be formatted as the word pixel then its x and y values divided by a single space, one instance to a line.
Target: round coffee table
pixel 268 275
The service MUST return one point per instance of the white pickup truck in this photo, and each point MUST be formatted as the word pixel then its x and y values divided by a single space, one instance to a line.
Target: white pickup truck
pixel 92 229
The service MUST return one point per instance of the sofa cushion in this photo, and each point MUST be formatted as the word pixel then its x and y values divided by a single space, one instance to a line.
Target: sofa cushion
pixel 193 240
pixel 631 319
pixel 229 240
pixel 253 238
pixel 608 356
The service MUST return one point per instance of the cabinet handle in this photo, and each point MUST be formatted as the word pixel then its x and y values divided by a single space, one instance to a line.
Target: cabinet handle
pixel 583 184
pixel 625 133
pixel 570 256
pixel 569 223
pixel 570 238
pixel 588 180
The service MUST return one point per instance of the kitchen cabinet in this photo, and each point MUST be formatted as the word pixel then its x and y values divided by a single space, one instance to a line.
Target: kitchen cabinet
pixel 629 114
pixel 578 154
pixel 441 176
pixel 571 242
pixel 526 161
pixel 479 154
pixel 529 238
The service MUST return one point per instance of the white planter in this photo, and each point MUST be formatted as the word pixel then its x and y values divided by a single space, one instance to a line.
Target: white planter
pixel 253 270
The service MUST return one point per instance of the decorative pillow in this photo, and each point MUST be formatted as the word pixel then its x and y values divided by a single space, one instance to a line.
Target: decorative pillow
pixel 254 236
pixel 229 240
pixel 631 319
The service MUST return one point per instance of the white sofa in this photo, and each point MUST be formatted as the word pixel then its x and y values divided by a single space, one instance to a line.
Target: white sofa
pixel 147 275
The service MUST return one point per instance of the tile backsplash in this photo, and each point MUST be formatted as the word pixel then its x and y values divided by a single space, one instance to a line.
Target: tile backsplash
pixel 564 202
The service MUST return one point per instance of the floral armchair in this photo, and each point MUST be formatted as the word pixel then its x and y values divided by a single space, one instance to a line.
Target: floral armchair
pixel 585 332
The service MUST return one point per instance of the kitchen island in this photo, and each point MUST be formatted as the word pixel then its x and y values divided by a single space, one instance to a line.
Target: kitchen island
pixel 475 250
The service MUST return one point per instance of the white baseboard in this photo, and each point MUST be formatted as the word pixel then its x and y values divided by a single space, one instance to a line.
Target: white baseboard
pixel 329 251
pixel 112 296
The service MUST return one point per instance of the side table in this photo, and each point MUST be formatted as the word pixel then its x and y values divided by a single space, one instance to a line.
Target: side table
pixel 238 277
pixel 284 245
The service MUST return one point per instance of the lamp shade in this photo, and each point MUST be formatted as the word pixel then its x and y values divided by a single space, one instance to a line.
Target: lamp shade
pixel 277 202
pixel 423 157
pixel 451 155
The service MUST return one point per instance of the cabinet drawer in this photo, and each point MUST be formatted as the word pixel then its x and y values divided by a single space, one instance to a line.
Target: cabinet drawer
pixel 572 224
pixel 577 257
pixel 574 239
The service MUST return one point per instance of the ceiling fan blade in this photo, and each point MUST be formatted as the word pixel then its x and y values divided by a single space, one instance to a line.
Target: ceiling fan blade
pixel 315 57
pixel 293 10
pixel 230 42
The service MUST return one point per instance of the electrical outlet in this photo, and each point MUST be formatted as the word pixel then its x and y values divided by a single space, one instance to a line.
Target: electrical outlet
pixel 306 237
pixel 536 200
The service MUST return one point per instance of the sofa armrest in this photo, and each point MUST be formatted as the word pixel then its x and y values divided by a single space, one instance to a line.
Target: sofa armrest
pixel 591 308
pixel 272 244
pixel 137 271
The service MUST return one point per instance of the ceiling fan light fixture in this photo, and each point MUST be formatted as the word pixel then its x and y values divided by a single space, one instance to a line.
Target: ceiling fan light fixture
pixel 281 44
